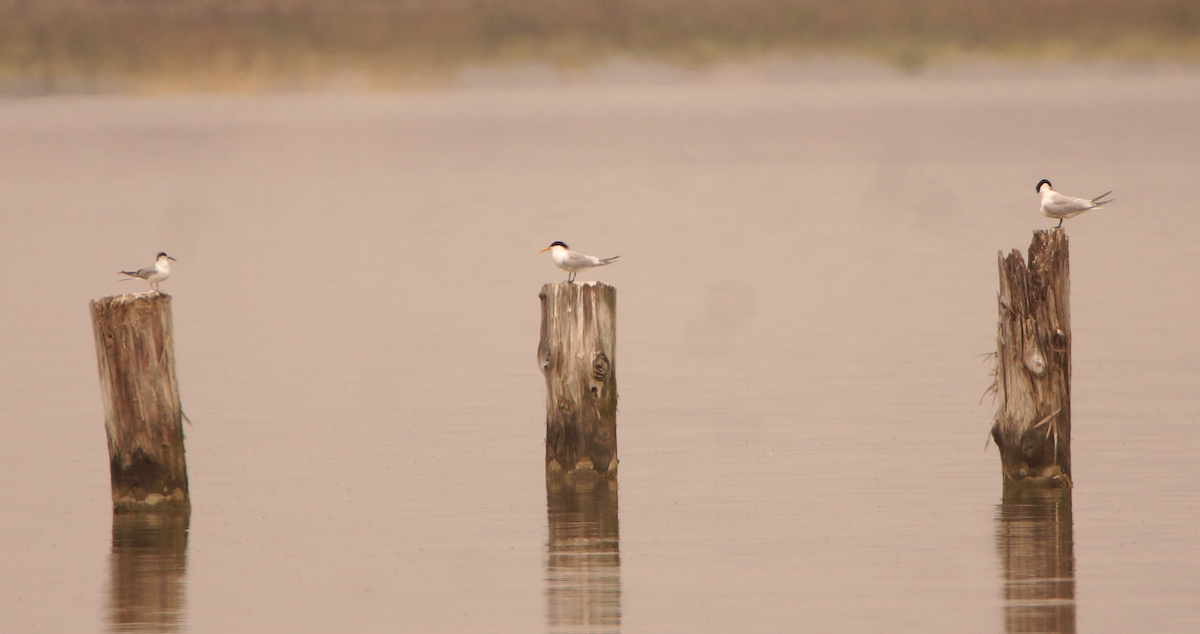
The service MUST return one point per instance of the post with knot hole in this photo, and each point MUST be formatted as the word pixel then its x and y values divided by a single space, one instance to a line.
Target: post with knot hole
pixel 577 354
pixel 1032 383
pixel 136 355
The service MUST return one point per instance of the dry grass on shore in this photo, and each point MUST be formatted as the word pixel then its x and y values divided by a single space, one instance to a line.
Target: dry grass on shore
pixel 56 45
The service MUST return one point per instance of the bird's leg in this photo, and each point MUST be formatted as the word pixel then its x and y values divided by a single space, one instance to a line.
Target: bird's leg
pixel 1059 224
pixel 571 277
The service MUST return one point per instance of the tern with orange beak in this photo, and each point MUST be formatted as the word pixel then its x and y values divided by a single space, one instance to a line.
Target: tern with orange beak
pixel 573 262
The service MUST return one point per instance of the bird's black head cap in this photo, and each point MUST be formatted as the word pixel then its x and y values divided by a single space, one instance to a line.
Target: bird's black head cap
pixel 1040 183
pixel 559 243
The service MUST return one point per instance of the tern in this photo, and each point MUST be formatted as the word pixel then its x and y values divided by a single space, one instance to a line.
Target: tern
pixel 573 262
pixel 152 274
pixel 1056 205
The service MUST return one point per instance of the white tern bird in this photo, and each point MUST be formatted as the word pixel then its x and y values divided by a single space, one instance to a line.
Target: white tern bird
pixel 573 262
pixel 152 274
pixel 1056 205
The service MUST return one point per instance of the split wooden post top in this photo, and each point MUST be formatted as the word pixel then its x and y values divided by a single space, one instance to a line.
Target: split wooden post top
pixel 136 357
pixel 577 355
pixel 1032 427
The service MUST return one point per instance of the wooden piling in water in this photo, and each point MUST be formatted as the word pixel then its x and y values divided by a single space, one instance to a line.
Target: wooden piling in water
pixel 136 357
pixel 577 354
pixel 1032 427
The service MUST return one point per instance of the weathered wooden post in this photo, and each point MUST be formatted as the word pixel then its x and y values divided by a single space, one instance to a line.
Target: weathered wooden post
pixel 577 354
pixel 136 356
pixel 1033 364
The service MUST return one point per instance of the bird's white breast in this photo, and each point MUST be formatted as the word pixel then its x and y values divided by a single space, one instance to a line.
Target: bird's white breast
pixel 561 257
pixel 162 268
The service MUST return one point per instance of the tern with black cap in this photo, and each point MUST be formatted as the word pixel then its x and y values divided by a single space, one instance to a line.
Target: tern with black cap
pixel 152 274
pixel 1056 205
pixel 573 262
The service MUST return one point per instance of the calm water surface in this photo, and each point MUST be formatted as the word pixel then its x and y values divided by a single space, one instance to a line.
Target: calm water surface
pixel 807 282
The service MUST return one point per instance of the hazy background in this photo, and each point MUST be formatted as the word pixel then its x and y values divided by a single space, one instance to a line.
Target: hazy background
pixel 53 46
pixel 808 198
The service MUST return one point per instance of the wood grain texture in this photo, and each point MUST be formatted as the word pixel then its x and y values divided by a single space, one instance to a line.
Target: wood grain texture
pixel 1032 427
pixel 577 354
pixel 136 358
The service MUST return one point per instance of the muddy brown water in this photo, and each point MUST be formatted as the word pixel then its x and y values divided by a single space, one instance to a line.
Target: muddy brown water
pixel 807 282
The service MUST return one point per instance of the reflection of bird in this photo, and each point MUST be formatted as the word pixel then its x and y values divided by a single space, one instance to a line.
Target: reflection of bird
pixel 573 262
pixel 153 274
pixel 1056 205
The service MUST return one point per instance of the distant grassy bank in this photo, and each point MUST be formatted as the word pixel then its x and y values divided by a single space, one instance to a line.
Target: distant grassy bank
pixel 187 45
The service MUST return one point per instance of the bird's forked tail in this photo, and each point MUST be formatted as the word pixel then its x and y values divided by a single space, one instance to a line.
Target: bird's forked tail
pixel 1097 202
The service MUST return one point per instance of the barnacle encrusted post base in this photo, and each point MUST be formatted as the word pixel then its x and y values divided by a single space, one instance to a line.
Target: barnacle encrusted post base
pixel 577 353
pixel 1032 427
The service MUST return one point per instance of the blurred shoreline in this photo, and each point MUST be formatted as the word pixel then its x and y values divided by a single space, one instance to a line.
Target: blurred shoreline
pixel 85 46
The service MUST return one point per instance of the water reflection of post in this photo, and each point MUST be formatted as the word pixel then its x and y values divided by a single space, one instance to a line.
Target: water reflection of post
pixel 1034 537
pixel 148 566
pixel 583 563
